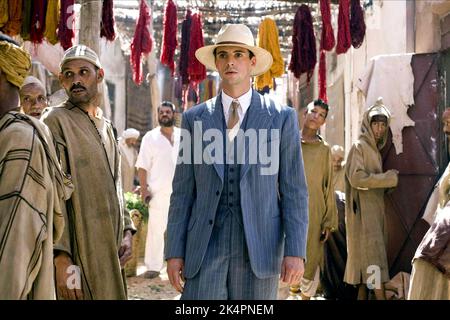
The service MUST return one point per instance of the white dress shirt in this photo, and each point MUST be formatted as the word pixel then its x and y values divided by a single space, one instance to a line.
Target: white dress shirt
pixel 244 101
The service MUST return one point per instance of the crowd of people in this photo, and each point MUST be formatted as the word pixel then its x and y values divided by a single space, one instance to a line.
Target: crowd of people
pixel 225 225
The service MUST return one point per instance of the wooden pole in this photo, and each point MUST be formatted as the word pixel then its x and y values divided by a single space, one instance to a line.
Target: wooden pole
pixel 90 18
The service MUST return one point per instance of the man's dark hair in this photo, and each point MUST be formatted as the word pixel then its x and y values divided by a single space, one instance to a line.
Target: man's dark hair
pixel 167 104
pixel 378 118
pixel 322 104
pixel 4 37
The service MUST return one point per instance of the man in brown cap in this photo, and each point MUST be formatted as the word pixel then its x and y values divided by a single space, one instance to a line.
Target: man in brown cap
pixel 32 189
pixel 96 243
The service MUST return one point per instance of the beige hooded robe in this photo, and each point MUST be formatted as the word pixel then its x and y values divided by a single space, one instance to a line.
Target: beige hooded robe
pixel 365 186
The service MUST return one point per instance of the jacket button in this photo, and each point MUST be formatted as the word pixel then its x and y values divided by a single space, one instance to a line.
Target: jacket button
pixel 231 193
pixel 231 180
pixel 231 170
pixel 210 222
pixel 231 205
pixel 217 193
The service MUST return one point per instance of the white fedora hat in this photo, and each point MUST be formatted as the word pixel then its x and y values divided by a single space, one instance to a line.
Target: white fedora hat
pixel 238 35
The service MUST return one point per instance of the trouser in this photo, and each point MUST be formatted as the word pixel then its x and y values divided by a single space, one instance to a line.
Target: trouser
pixel 226 272
pixel 157 225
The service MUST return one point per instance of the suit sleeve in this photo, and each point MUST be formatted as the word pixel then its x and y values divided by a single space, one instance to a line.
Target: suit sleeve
pixel 182 197
pixel 360 178
pixel 292 188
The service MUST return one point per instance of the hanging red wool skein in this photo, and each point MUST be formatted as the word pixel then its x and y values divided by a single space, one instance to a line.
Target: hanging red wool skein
pixel 37 29
pixel 142 42
pixel 66 23
pixel 327 41
pixel 344 40
pixel 170 36
pixel 357 24
pixel 107 24
pixel 303 57
pixel 322 77
pixel 196 70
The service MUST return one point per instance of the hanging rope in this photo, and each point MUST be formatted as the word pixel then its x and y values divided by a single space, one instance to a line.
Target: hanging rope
pixel 196 70
pixel 322 77
pixel 12 27
pixel 344 38
pixel 357 24
pixel 169 36
pixel 142 42
pixel 51 21
pixel 107 23
pixel 327 41
pixel 268 39
pixel 4 14
pixel 26 19
pixel 66 23
pixel 184 49
pixel 37 29
pixel 303 58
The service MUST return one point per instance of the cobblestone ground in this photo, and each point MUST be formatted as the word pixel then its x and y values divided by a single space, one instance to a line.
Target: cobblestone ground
pixel 159 288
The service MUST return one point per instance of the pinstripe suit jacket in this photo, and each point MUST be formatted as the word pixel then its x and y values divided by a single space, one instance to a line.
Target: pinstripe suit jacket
pixel 274 207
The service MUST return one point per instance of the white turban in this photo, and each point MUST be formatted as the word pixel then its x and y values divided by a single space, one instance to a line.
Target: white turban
pixel 337 150
pixel 32 80
pixel 130 133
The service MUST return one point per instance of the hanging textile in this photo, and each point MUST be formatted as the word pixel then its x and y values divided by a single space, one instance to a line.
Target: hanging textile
pixel 184 49
pixel 51 21
pixel 303 58
pixel 107 23
pixel 357 24
pixel 12 27
pixel 196 70
pixel 322 77
pixel 327 41
pixel 142 42
pixel 344 38
pixel 169 40
pixel 66 23
pixel 38 15
pixel 268 39
pixel 4 15
pixel 27 6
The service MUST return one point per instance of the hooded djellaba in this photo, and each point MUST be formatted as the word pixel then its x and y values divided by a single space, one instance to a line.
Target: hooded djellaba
pixel 365 186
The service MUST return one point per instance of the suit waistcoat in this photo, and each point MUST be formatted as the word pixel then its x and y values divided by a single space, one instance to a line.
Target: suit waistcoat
pixel 230 199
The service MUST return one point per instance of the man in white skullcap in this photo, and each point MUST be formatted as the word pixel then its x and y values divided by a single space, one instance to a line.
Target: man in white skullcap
pixel 33 97
pixel 97 242
pixel 127 143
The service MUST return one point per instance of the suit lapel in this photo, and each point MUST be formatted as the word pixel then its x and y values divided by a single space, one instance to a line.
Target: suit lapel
pixel 212 118
pixel 259 117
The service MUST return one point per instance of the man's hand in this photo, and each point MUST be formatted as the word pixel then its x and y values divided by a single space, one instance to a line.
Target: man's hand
pixel 175 268
pixel 125 250
pixel 292 270
pixel 325 235
pixel 146 195
pixel 68 289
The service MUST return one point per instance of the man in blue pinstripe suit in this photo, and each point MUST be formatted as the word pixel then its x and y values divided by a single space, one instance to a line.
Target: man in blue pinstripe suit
pixel 235 224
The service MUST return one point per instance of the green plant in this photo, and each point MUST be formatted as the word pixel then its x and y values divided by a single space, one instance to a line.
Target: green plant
pixel 134 201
